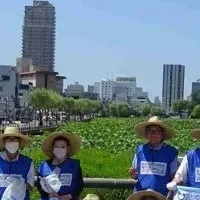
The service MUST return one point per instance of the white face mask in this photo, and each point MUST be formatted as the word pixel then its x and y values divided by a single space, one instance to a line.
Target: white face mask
pixel 60 153
pixel 12 147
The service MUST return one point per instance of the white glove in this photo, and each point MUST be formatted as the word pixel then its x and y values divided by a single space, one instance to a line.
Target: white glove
pixel 172 186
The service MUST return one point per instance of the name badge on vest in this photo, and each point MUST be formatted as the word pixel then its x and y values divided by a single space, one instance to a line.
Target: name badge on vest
pixel 66 179
pixel 156 168
pixel 187 193
pixel 197 174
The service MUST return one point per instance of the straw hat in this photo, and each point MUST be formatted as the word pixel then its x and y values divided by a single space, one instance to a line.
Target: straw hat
pixel 15 132
pixel 91 197
pixel 140 128
pixel 149 193
pixel 196 134
pixel 74 141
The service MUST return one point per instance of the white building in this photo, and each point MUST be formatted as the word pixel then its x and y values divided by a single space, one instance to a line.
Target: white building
pixel 123 89
pixel 173 85
pixel 106 89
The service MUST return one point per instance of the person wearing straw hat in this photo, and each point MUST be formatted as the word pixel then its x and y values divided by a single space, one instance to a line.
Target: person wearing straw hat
pixel 155 162
pixel 15 167
pixel 147 195
pixel 60 147
pixel 189 169
pixel 91 197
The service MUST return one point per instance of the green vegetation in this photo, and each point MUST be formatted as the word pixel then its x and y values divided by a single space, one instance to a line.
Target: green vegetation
pixel 108 147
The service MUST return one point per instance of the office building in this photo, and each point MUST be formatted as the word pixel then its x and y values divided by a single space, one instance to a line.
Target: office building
pixel 173 85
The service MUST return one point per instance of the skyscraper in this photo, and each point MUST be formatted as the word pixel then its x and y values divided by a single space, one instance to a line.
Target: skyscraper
pixel 195 86
pixel 39 34
pixel 173 85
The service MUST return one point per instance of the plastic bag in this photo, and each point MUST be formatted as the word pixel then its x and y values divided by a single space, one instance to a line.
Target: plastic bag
pixel 51 183
pixel 16 189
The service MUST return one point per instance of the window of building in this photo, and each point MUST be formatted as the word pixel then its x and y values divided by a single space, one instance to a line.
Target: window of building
pixel 1 89
pixel 20 94
pixel 5 77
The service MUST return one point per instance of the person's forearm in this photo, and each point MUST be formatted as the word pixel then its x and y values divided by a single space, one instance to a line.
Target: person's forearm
pixel 177 179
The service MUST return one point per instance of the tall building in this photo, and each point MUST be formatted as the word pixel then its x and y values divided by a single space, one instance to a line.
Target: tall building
pixel 173 85
pixel 91 88
pixel 39 34
pixel 195 86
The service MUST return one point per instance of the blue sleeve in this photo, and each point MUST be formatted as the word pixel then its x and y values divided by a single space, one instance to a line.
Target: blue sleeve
pixel 79 183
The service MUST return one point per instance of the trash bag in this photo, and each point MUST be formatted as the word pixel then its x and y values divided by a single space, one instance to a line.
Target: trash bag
pixel 16 189
pixel 51 183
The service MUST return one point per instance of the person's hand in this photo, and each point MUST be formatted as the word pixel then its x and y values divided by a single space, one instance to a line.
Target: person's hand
pixel 172 186
pixel 133 173
pixel 66 197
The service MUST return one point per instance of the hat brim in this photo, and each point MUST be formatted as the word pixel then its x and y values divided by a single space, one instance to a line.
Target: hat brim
pixel 140 194
pixel 74 141
pixel 25 140
pixel 196 134
pixel 91 197
pixel 140 129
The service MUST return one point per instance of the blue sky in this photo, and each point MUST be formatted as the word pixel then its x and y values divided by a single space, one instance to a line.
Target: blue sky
pixel 99 39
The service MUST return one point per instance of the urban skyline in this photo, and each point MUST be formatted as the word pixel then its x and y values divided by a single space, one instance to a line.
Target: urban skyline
pixel 80 45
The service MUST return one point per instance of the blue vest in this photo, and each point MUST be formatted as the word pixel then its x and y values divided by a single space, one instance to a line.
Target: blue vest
pixel 193 175
pixel 153 167
pixel 15 168
pixel 68 174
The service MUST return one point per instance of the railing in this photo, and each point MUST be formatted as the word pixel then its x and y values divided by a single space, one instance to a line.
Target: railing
pixel 112 183
pixel 27 128
pixel 109 183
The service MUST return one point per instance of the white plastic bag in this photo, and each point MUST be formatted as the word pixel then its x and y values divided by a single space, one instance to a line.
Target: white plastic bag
pixel 51 183
pixel 16 189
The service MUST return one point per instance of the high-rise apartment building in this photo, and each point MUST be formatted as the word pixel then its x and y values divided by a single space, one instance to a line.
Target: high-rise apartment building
pixel 173 85
pixel 39 34
pixel 195 87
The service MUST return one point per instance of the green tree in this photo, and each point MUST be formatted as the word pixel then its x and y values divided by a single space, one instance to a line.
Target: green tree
pixel 113 110
pixel 196 112
pixel 68 106
pixel 123 110
pixel 196 97
pixel 156 111
pixel 81 107
pixel 180 106
pixel 146 110
pixel 44 100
